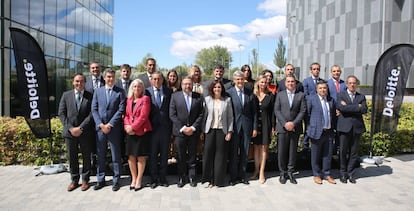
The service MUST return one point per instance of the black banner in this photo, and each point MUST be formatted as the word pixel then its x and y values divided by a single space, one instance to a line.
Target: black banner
pixel 390 79
pixel 32 82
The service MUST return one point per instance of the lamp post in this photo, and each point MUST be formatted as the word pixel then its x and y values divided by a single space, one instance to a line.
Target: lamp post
pixel 257 61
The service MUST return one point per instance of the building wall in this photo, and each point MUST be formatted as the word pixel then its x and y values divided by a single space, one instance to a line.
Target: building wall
pixel 347 33
pixel 71 33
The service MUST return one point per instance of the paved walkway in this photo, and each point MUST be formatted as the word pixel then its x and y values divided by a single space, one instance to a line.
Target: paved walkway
pixel 387 187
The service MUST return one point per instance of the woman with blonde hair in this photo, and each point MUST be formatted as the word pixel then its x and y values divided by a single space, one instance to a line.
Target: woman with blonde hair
pixel 137 125
pixel 265 126
pixel 196 76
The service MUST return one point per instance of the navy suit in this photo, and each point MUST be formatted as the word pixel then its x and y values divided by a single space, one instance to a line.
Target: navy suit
pixel 180 117
pixel 111 113
pixel 350 127
pixel 321 138
pixel 332 87
pixel 245 121
pixel 161 132
pixel 309 88
pixel 71 116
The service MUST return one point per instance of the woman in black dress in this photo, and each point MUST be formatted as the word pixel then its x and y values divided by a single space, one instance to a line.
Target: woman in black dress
pixel 264 101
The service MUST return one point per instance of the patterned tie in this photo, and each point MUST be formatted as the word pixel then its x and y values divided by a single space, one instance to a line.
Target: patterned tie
pixel 337 86
pixel 78 99
pixel 325 114
pixel 352 95
pixel 95 83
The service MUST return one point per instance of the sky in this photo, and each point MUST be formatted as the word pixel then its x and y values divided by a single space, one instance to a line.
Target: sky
pixel 174 31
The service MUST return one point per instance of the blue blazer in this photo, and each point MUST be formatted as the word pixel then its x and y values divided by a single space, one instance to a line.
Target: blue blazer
pixel 309 86
pixel 332 87
pixel 160 116
pixel 351 113
pixel 110 112
pixel 179 114
pixel 315 113
pixel 244 115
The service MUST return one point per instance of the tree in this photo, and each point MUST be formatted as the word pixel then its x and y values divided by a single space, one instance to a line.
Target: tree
pixel 207 58
pixel 142 64
pixel 279 56
pixel 254 63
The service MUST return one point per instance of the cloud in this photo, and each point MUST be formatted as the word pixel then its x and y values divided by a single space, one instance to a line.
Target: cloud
pixel 273 7
pixel 267 28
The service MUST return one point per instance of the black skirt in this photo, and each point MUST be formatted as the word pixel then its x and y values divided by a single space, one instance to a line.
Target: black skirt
pixel 137 145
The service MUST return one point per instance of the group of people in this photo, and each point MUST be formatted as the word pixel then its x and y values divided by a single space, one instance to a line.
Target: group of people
pixel 142 119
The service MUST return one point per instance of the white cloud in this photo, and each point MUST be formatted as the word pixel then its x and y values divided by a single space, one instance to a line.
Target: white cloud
pixel 273 7
pixel 267 28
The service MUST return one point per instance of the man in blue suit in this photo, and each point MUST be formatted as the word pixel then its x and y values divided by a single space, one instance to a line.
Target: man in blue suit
pixel 321 110
pixel 161 129
pixel 108 106
pixel 352 105
pixel 186 113
pixel 309 88
pixel 245 121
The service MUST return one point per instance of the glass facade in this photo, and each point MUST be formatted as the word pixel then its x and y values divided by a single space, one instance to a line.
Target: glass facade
pixel 71 33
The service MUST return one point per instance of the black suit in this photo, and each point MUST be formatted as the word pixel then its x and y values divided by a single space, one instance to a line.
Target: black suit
pixel 281 85
pixel 180 117
pixel 161 132
pixel 72 117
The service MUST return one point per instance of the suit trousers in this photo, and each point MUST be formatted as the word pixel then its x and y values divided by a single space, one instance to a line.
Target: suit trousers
pixel 287 145
pixel 348 153
pixel 186 151
pixel 160 145
pixel 101 148
pixel 215 157
pixel 321 152
pixel 85 145
pixel 239 150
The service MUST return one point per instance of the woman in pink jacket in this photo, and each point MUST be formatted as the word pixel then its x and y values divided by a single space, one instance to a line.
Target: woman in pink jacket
pixel 137 125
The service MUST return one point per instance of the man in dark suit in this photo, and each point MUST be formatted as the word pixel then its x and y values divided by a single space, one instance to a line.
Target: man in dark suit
pixel 218 75
pixel 186 113
pixel 309 88
pixel 321 110
pixel 108 106
pixel 75 114
pixel 289 70
pixel 151 66
pixel 125 80
pixel 161 129
pixel 352 105
pixel 290 109
pixel 245 121
pixel 95 80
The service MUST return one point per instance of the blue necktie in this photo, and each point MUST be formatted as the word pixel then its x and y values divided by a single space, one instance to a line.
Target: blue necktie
pixel 325 114
pixel 158 97
pixel 187 101
pixel 241 96
pixel 108 95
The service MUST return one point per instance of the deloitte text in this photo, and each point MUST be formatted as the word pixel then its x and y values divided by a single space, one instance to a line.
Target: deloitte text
pixel 32 89
pixel 391 92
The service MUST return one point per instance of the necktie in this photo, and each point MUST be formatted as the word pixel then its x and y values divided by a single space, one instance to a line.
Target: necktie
pixel 78 99
pixel 352 95
pixel 158 97
pixel 95 83
pixel 124 85
pixel 337 86
pixel 325 114
pixel 108 95
pixel 241 96
pixel 316 81
pixel 290 96
pixel 187 101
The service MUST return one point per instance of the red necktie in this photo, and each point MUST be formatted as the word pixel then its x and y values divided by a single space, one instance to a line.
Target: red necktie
pixel 337 85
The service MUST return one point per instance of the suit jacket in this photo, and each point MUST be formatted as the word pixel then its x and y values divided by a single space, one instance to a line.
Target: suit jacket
pixel 245 115
pixel 160 116
pixel 284 113
pixel 226 111
pixel 315 113
pixel 138 117
pixel 309 86
pixel 145 79
pixel 180 116
pixel 119 84
pixel 89 83
pixel 110 112
pixel 281 85
pixel 71 117
pixel 351 113
pixel 332 87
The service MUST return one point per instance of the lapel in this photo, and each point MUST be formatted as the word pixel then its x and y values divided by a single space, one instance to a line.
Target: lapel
pixel 73 101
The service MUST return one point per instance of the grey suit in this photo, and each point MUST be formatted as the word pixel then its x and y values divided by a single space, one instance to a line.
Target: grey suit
pixel 89 83
pixel 215 146
pixel 288 140
pixel 145 79
pixel 71 117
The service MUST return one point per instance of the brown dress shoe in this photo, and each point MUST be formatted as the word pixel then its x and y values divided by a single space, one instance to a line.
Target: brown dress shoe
pixel 317 180
pixel 72 186
pixel 85 186
pixel 330 180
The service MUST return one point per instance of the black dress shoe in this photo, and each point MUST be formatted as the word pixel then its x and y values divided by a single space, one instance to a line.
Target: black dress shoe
pixel 163 182
pixel 181 182
pixel 116 187
pixel 99 185
pixel 131 187
pixel 137 189
pixel 245 181
pixel 352 180
pixel 232 182
pixel 282 179
pixel 292 179
pixel 193 182
pixel 343 180
pixel 153 184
